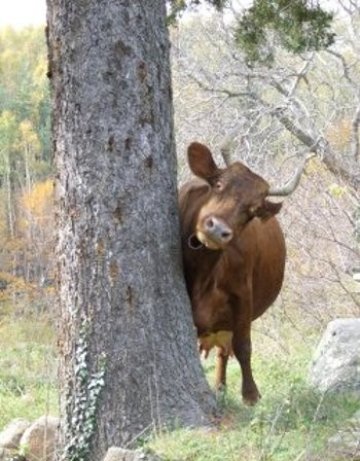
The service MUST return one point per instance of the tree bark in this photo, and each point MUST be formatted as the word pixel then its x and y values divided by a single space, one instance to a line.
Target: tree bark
pixel 9 199
pixel 128 349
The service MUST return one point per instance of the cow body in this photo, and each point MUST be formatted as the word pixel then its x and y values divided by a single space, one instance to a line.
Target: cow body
pixel 234 258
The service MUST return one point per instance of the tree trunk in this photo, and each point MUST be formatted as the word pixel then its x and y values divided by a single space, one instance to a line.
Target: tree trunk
pixel 9 198
pixel 128 349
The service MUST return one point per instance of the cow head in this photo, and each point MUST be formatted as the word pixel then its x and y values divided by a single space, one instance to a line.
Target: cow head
pixel 236 196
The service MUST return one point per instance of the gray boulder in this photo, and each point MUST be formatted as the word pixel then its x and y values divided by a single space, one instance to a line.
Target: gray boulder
pixel 11 435
pixel 39 440
pixel 5 453
pixel 336 363
pixel 121 454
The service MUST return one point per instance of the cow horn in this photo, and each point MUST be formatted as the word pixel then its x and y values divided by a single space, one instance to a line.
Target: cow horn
pixel 225 153
pixel 227 146
pixel 292 184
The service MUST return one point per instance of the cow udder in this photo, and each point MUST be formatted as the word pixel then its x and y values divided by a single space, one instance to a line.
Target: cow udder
pixel 221 339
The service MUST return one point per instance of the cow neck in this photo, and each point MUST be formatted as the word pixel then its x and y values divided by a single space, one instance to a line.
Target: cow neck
pixel 202 264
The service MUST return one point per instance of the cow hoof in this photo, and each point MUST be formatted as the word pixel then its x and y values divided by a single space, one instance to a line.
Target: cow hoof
pixel 220 388
pixel 220 393
pixel 251 398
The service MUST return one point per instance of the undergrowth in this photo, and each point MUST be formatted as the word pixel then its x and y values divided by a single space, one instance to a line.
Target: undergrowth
pixel 292 422
pixel 27 368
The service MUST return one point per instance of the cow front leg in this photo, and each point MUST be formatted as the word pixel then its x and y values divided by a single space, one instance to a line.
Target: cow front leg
pixel 222 358
pixel 242 351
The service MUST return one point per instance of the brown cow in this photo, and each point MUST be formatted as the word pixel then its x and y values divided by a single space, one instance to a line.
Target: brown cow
pixel 234 257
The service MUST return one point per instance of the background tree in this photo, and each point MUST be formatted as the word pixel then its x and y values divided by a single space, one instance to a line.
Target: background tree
pixel 24 144
pixel 128 357
pixel 7 140
pixel 268 115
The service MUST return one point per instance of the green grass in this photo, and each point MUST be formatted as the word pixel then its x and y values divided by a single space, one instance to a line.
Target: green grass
pixel 292 422
pixel 27 369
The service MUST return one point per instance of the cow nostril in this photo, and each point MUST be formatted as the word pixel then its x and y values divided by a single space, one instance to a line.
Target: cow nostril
pixel 210 223
pixel 225 235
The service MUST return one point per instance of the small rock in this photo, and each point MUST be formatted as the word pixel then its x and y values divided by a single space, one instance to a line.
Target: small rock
pixel 346 443
pixel 11 435
pixel 39 440
pixel 6 455
pixel 4 452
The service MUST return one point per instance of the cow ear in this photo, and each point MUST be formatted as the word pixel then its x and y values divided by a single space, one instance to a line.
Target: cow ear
pixel 267 210
pixel 201 161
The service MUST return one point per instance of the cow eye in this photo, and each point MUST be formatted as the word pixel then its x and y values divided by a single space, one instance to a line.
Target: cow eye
pixel 218 186
pixel 245 217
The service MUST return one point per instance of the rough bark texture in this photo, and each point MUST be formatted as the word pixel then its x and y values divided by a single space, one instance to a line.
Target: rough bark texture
pixel 128 349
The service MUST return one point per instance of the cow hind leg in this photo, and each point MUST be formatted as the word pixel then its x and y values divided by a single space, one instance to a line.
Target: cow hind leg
pixel 222 358
pixel 242 351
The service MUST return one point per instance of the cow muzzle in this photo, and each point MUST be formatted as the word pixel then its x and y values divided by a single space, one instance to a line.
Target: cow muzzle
pixel 214 233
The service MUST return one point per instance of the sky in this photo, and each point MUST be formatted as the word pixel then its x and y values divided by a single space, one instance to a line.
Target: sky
pixel 19 13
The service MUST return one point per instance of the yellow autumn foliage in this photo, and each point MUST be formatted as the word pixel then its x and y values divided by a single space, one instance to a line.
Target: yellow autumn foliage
pixel 37 205
pixel 40 70
pixel 11 286
pixel 7 128
pixel 315 166
pixel 16 293
pixel 27 136
pixel 336 190
pixel 339 134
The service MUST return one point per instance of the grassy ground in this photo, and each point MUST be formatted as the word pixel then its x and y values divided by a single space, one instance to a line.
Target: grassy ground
pixel 291 423
pixel 27 369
